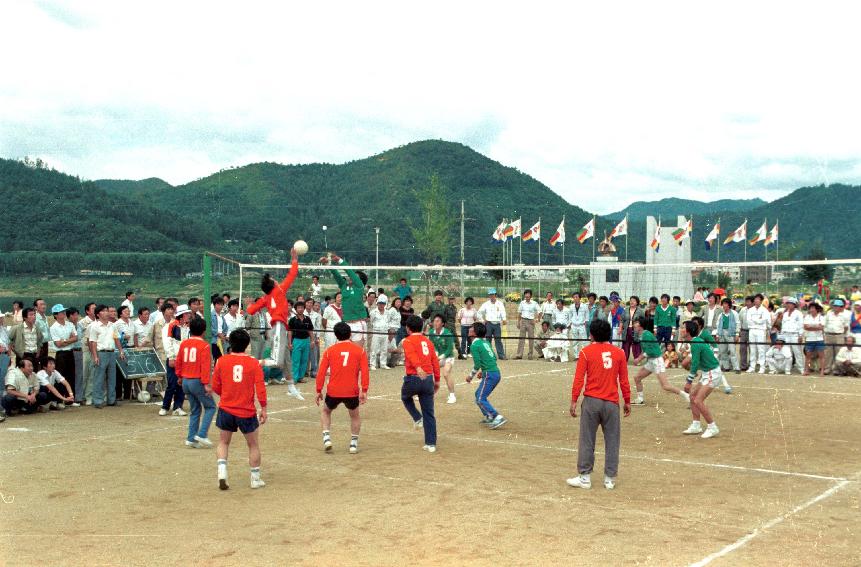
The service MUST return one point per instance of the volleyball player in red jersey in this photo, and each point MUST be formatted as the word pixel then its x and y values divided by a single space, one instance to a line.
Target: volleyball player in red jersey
pixel 421 367
pixel 347 362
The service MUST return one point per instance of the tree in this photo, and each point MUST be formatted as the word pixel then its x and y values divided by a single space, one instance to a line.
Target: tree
pixel 495 260
pixel 815 272
pixel 433 237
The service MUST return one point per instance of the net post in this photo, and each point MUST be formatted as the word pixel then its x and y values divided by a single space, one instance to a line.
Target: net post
pixel 207 293
pixel 241 274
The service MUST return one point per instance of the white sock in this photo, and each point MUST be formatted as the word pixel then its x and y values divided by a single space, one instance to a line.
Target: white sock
pixel 696 423
pixel 712 425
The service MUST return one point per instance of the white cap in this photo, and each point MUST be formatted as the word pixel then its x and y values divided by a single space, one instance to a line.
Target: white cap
pixel 383 299
pixel 182 310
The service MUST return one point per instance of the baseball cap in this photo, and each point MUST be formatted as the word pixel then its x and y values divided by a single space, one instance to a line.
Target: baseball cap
pixel 790 300
pixel 491 291
pixel 383 298
pixel 837 303
pixel 182 310
pixel 58 308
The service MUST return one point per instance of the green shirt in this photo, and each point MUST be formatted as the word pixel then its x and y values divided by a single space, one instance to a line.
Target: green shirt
pixel 706 336
pixel 702 356
pixel 665 317
pixel 443 343
pixel 651 347
pixel 482 356
pixel 352 295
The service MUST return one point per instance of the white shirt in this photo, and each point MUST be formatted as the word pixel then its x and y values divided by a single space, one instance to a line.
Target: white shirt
pixel 331 316
pixel 170 344
pixel 126 331
pixel 130 305
pixel 837 324
pixel 492 312
pixel 779 354
pixel 156 316
pixel 854 355
pixel 143 331
pixel 758 318
pixel 578 315
pixel 813 335
pixel 103 335
pixel 547 307
pixel 62 333
pixel 316 320
pixel 792 323
pixel 528 310
pixel 316 290
pixel 562 316
pixel 379 321
pixel 233 321
pixel 52 380
pixel 394 318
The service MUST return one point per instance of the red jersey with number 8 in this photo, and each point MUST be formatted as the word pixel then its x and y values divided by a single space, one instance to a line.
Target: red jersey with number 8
pixel 237 379
pixel 604 370
pixel 346 361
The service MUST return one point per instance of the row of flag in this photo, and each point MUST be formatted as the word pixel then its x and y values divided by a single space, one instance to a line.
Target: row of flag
pixel 511 230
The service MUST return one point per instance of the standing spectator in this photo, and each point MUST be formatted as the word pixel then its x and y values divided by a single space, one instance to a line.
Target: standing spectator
pixel 74 317
pixel 728 327
pixel 22 389
pixel 712 310
pixel 792 327
pixel 814 339
pixel 217 327
pixel 156 316
pixel 579 324
pixel 848 359
pixel 836 330
pixel 665 320
pixel 225 298
pixel 547 307
pixel 87 358
pixel 195 306
pixel 17 312
pixel 527 314
pixel 618 318
pixel 561 316
pixel 855 321
pixel 232 319
pixel 466 317
pixel 316 289
pixel 744 333
pixel 436 307
pixel 394 316
pixel 312 311
pixel 125 329
pixel 450 313
pixel 129 301
pixel 64 335
pixel 26 338
pixel 5 359
pixel 300 333
pixel 333 314
pixel 380 336
pixel 403 289
pixel 42 322
pixel 104 342
pixel 492 313
pixel 172 337
pixel 406 311
pixel 49 378
pixel 142 329
pixel 591 298
pixel 629 339
pixel 758 323
pixel 256 326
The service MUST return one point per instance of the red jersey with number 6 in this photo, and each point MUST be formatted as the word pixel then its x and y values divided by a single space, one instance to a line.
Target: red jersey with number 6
pixel 237 378
pixel 419 352
pixel 346 361
pixel 604 370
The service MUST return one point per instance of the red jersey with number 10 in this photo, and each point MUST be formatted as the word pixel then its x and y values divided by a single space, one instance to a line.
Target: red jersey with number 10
pixel 604 370
pixel 419 351
pixel 346 360
pixel 237 378
pixel 194 359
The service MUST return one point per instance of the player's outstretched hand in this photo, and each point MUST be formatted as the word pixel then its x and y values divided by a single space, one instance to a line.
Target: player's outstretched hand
pixel 363 397
pixel 319 398
pixel 573 409
pixel 627 410
pixel 262 416
pixel 294 256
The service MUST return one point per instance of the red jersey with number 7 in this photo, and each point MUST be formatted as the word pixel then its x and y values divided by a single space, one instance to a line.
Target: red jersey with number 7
pixel 419 352
pixel 604 370
pixel 237 378
pixel 345 361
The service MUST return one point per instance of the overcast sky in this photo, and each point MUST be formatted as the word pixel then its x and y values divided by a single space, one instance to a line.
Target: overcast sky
pixel 606 104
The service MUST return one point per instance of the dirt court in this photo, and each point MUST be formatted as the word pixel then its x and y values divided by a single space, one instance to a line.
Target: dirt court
pixel 779 486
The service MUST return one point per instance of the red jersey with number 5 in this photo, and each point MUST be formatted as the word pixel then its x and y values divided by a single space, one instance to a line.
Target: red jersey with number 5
pixel 604 370
pixel 237 379
pixel 346 361
pixel 419 352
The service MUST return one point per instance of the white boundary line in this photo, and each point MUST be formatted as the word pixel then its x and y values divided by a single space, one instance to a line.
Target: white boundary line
pixel 770 524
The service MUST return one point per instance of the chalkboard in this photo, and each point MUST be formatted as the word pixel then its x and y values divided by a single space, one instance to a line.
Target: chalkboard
pixel 141 363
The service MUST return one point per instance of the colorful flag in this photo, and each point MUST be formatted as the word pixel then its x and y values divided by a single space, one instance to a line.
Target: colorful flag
pixel 683 232
pixel 772 236
pixel 587 232
pixel 738 235
pixel 498 233
pixel 621 228
pixel 559 237
pixel 533 233
pixel 508 231
pixel 515 229
pixel 713 235
pixel 761 235
pixel 656 241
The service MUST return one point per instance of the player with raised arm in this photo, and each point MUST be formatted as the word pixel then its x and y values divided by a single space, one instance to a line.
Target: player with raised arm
pixel 421 366
pixel 275 302
pixel 702 358
pixel 654 361
pixel 238 379
pixel 603 370
pixel 486 369
pixel 352 298
pixel 347 364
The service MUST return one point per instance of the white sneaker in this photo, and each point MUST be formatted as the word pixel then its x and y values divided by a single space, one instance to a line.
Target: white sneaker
pixel 75 405
pixel 787 372
pixel 179 412
pixel 498 422
pixel 695 429
pixel 203 441
pixel 609 483
pixel 192 444
pixel 372 367
pixel 418 424
pixel 762 370
pixel 451 398
pixel 354 446
pixel 291 389
pixel 327 443
pixel 222 477
pixel 162 411
pixel 581 481
pixel 429 448
pixel 711 431
pixel 256 481
pixel 772 372
pixel 685 396
pixel 386 367
pixel 638 402
pixel 751 370
pixel 281 381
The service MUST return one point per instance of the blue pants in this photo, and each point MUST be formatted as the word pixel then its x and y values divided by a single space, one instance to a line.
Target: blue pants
pixel 105 370
pixel 198 400
pixel 465 339
pixel 314 361
pixel 4 367
pixel 301 352
pixel 413 385
pixel 172 392
pixel 489 382
pixel 664 335
pixel 494 331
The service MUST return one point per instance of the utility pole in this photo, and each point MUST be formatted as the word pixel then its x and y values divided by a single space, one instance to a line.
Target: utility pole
pixel 377 265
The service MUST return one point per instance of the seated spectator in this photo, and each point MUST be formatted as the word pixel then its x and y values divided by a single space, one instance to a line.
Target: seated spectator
pixel 543 335
pixel 848 361
pixel 49 379
pixel 778 358
pixel 22 390
pixel 557 345
pixel 671 357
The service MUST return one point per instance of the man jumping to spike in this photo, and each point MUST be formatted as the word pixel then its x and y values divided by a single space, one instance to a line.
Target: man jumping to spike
pixel 275 301
pixel 352 299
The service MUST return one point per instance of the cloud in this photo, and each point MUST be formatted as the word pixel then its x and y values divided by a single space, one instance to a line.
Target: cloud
pixel 606 104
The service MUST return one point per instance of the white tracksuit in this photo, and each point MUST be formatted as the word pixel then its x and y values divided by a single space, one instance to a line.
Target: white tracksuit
pixel 758 323
pixel 557 346
pixel 778 359
pixel 379 323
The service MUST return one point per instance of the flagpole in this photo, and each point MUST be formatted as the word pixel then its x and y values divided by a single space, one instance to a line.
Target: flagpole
pixel 765 253
pixel 745 255
pixel 563 241
pixel 717 238
pixel 539 256
pixel 777 242
pixel 626 239
pixel 521 239
pixel 594 232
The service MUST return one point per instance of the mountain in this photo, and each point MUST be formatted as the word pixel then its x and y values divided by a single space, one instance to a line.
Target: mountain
pixel 672 206
pixel 126 187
